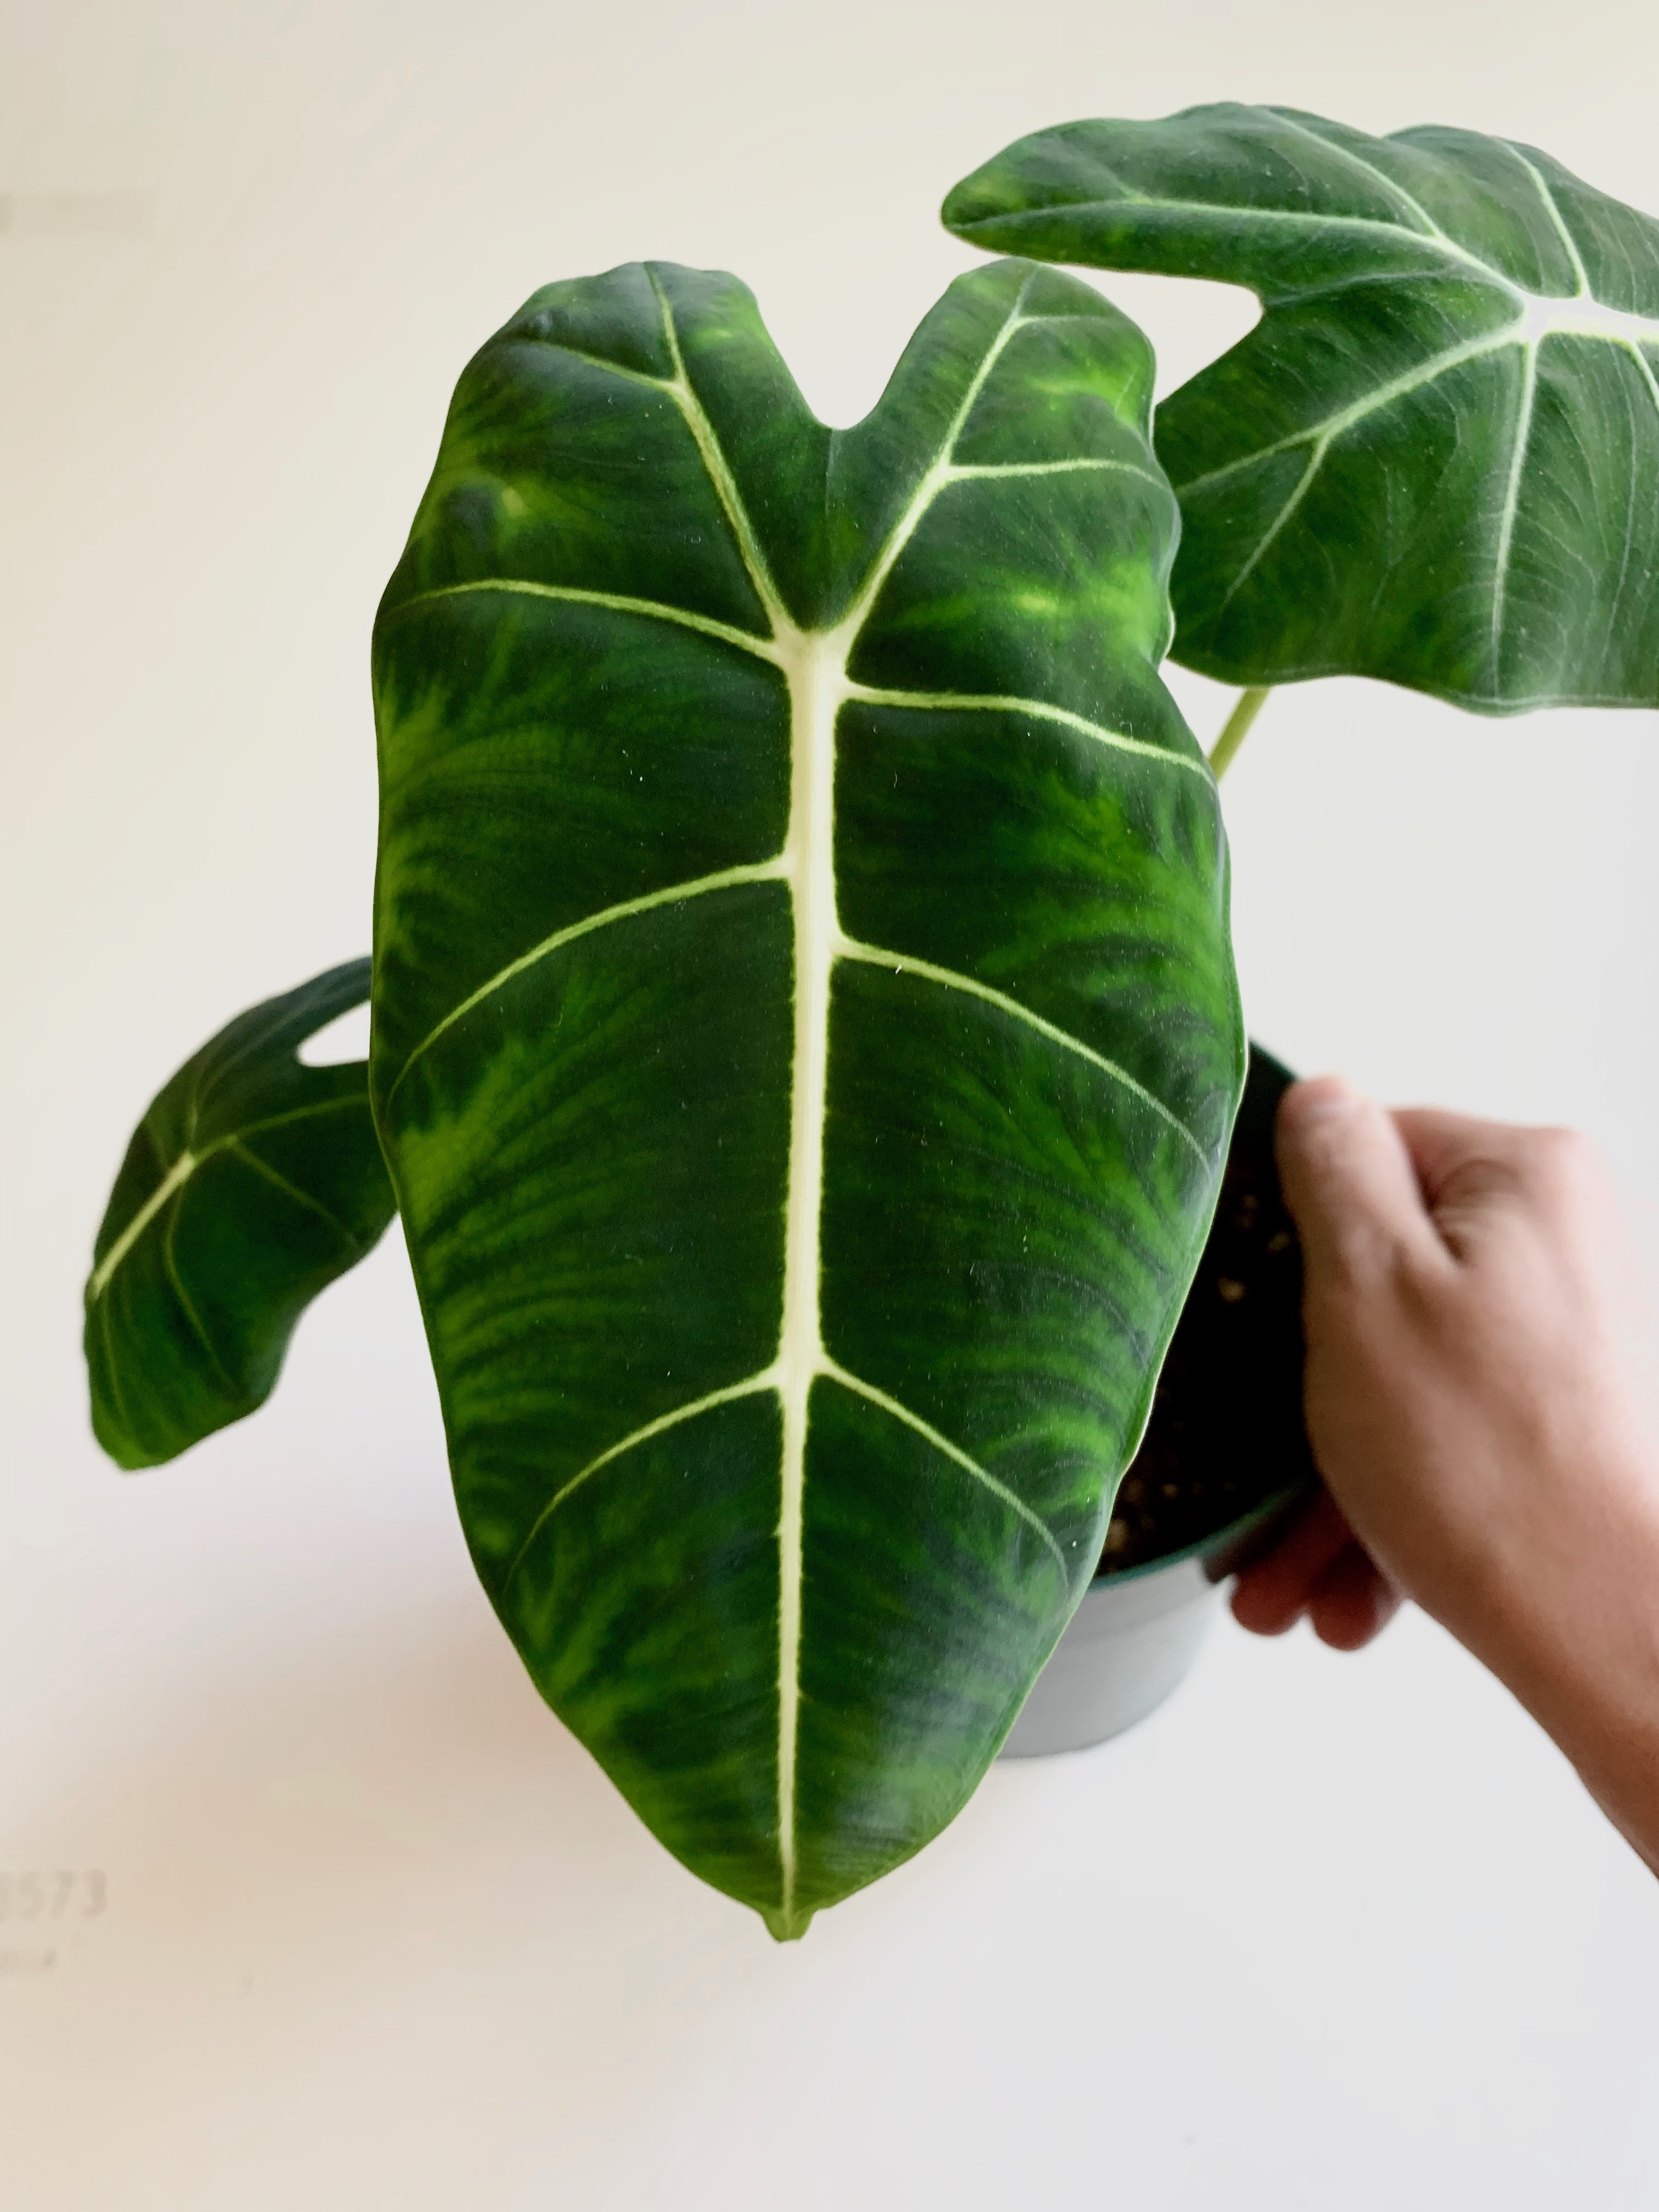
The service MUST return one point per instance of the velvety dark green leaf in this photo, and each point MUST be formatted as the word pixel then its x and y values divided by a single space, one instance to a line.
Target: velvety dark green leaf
pixel 1436 458
pixel 806 1031
pixel 251 1183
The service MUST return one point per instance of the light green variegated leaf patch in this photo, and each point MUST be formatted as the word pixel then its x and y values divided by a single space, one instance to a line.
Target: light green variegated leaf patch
pixel 251 1183
pixel 806 1031
pixel 1436 458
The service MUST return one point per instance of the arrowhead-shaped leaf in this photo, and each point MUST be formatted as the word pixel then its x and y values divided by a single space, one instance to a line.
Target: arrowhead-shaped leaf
pixel 1436 458
pixel 251 1183
pixel 806 1031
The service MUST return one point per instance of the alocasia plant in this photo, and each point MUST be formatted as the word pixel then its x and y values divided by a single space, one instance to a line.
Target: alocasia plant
pixel 806 1040
pixel 1436 458
pixel 804 1032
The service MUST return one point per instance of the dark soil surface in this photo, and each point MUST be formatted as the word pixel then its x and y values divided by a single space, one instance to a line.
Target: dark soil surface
pixel 1226 1428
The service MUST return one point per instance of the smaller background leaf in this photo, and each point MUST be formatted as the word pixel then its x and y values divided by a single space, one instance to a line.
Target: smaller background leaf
pixel 251 1183
pixel 1435 460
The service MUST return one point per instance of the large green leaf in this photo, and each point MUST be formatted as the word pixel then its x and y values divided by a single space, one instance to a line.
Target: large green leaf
pixel 806 1031
pixel 251 1183
pixel 1436 458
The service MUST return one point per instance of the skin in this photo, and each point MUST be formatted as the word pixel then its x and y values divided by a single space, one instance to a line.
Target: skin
pixel 1475 1399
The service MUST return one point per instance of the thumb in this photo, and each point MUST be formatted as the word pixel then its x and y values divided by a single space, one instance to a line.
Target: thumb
pixel 1349 1182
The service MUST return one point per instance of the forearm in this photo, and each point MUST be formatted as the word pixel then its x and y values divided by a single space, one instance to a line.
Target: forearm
pixel 1575 1637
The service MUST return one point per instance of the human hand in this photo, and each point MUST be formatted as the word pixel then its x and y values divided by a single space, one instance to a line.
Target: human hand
pixel 1474 1402
pixel 1317 1570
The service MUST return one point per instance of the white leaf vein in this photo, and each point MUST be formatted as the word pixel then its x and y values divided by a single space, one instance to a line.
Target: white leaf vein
pixel 749 1386
pixel 767 1379
pixel 675 894
pixel 895 1408
pixel 617 602
pixel 1510 509
pixel 169 1262
pixel 238 1150
pixel 990 703
pixel 951 979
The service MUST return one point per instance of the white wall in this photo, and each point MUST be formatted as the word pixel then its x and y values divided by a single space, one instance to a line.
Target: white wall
pixel 1326 1933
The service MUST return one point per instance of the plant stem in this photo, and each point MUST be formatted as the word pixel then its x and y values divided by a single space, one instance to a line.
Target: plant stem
pixel 1246 707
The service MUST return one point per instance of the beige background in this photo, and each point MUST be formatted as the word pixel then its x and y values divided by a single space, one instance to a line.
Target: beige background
pixel 1328 1932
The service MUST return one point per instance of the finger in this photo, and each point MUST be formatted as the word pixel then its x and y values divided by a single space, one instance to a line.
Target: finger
pixel 1473 1174
pixel 1272 1593
pixel 1349 1182
pixel 1478 1176
pixel 1444 1146
pixel 1354 1602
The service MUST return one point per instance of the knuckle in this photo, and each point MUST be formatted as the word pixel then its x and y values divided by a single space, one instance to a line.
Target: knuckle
pixel 1370 1282
pixel 1420 1298
pixel 1559 1147
pixel 1560 1160
pixel 1357 1252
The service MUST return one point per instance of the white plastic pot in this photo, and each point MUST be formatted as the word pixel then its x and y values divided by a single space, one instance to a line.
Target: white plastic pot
pixel 1133 1640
